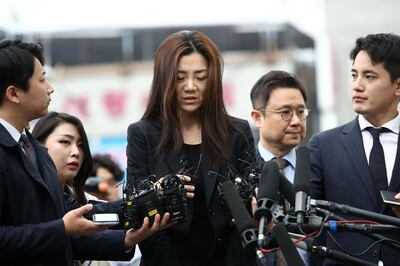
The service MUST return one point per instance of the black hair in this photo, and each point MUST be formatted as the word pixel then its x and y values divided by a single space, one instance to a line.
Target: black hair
pixel 381 48
pixel 105 161
pixel 262 89
pixel 17 64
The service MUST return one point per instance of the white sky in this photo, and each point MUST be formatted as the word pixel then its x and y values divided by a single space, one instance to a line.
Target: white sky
pixel 54 15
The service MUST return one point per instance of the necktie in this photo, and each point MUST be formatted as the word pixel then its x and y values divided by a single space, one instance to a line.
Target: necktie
pixel 282 163
pixel 27 147
pixel 377 165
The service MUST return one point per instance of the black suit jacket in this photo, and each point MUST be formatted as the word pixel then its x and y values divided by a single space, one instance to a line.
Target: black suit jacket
pixel 31 210
pixel 340 174
pixel 164 248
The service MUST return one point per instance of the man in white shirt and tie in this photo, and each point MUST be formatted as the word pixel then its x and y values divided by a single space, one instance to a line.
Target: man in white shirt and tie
pixel 279 112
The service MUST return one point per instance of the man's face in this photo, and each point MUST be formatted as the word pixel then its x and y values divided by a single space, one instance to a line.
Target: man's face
pixel 35 102
pixel 373 94
pixel 277 135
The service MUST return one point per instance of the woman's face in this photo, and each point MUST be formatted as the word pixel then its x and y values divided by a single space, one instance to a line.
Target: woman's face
pixel 66 149
pixel 192 82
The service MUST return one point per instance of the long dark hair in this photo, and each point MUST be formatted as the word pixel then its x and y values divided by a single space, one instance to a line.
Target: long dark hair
pixel 45 126
pixel 162 100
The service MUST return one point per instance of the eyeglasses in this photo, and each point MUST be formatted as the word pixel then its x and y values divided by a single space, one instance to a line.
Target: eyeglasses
pixel 287 114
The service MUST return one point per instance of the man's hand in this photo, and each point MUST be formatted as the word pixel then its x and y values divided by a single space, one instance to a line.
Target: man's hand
pixel 76 224
pixel 133 237
pixel 396 209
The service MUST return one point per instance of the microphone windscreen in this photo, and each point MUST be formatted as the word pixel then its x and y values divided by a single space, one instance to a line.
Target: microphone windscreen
pixel 269 181
pixel 303 170
pixel 239 212
pixel 289 251
pixel 286 189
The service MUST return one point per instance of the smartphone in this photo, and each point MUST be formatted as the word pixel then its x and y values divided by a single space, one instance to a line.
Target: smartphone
pixel 105 218
pixel 388 197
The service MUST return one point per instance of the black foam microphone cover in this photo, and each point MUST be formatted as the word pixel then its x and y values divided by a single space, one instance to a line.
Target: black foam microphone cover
pixel 303 170
pixel 286 189
pixel 289 251
pixel 239 212
pixel 267 188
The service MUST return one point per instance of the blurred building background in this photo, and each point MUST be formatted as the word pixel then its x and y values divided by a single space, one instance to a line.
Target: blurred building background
pixel 99 56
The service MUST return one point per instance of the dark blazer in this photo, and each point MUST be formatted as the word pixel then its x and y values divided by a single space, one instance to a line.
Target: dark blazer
pixel 164 248
pixel 340 174
pixel 31 210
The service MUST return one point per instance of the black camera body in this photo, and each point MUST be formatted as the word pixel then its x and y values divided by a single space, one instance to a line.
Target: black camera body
pixel 147 201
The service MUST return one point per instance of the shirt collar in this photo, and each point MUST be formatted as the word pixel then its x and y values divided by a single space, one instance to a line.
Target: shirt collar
pixel 15 134
pixel 393 125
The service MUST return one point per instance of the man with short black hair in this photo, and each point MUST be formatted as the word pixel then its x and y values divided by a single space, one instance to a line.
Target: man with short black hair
pixel 353 162
pixel 35 225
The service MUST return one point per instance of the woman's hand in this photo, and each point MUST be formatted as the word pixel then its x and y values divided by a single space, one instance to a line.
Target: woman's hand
pixel 185 180
pixel 189 188
pixel 133 237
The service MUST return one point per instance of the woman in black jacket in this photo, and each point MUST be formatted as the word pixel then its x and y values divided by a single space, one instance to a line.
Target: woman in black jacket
pixel 186 128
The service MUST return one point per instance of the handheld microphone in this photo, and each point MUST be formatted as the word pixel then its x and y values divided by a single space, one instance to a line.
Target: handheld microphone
pixel 267 195
pixel 289 251
pixel 286 189
pixel 301 183
pixel 244 223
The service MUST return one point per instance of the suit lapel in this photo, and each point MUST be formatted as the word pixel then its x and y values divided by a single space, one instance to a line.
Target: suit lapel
pixel 354 147
pixel 209 182
pixel 49 179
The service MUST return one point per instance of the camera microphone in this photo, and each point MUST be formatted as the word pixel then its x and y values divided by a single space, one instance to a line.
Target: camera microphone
pixel 96 184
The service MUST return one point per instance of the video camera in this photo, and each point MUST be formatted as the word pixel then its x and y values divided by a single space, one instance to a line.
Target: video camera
pixel 96 184
pixel 146 200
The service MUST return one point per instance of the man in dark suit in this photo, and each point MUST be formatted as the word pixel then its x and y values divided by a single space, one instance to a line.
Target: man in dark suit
pixel 279 102
pixel 35 227
pixel 349 165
